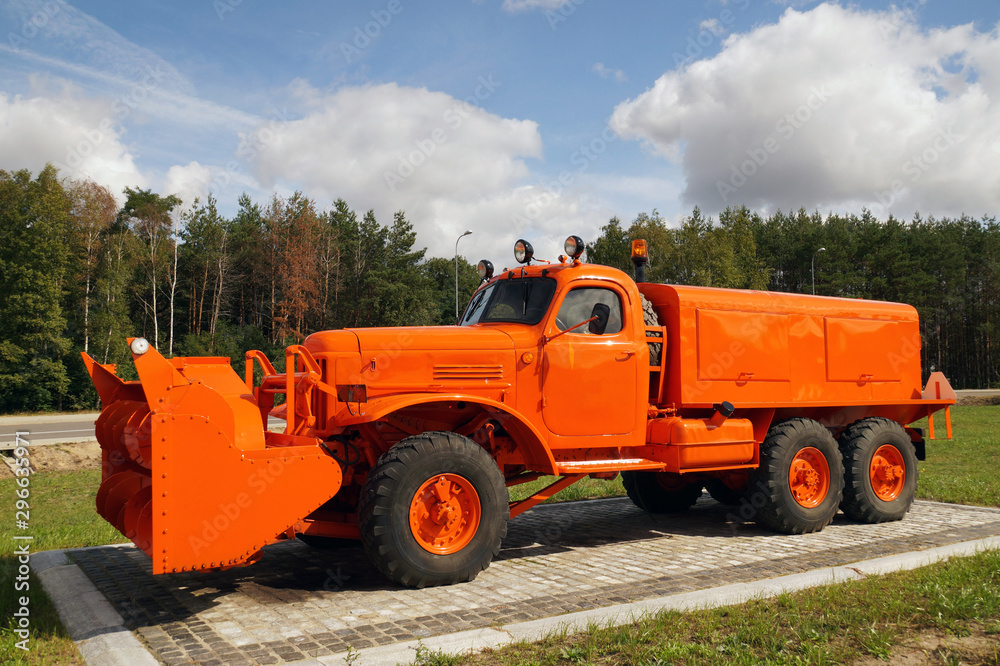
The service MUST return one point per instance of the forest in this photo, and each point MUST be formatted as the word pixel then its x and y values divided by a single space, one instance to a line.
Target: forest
pixel 80 272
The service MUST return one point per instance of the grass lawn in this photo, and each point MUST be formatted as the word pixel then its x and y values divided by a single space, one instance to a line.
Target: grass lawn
pixel 62 515
pixel 873 618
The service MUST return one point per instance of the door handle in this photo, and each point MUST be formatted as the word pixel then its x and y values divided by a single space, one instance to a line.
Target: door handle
pixel 624 355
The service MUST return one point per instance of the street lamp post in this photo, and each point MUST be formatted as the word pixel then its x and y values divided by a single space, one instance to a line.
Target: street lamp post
pixel 469 231
pixel 822 249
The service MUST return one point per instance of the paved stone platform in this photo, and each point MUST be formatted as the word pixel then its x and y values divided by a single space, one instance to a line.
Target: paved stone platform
pixel 299 602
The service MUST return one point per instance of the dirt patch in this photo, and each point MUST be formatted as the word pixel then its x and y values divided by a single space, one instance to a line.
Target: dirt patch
pixel 931 648
pixel 57 458
pixel 979 401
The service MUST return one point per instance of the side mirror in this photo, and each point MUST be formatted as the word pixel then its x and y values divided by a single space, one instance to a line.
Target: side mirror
pixel 599 319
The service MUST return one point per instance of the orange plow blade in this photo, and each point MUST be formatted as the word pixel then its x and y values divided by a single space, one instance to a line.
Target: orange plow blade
pixel 186 471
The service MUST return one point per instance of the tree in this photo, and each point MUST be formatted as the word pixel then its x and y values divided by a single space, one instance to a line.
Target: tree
pixel 148 215
pixel 34 223
pixel 93 211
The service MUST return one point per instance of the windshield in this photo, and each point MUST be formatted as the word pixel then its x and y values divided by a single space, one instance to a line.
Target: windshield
pixel 518 300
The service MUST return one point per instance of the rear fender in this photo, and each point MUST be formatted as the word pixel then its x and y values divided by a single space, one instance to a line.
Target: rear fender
pixel 530 441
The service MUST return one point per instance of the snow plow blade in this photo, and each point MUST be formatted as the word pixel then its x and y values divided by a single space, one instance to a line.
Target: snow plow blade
pixel 188 471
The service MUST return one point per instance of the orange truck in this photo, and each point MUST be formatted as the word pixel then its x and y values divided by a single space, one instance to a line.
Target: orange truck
pixel 408 438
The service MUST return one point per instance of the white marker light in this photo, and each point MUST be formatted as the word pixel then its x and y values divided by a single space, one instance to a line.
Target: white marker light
pixel 139 346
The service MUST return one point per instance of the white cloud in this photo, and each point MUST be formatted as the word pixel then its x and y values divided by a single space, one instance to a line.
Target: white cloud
pixel 189 182
pixel 900 119
pixel 72 132
pixel 136 81
pixel 448 164
pixel 606 72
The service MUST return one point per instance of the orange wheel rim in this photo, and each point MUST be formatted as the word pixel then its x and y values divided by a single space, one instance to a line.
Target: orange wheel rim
pixel 887 473
pixel 809 477
pixel 445 514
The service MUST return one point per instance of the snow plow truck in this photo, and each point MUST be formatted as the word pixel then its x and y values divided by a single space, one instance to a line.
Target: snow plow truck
pixel 409 438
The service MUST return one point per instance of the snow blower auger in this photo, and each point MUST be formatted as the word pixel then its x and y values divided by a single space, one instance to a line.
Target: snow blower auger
pixel 189 472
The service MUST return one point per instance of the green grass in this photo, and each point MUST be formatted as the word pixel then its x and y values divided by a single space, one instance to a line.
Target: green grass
pixel 966 469
pixel 835 624
pixel 62 515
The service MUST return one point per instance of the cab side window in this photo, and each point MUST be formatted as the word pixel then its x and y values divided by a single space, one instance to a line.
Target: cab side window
pixel 579 303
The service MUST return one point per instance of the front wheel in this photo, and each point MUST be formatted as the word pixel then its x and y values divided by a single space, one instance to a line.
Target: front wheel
pixel 801 477
pixel 881 468
pixel 433 511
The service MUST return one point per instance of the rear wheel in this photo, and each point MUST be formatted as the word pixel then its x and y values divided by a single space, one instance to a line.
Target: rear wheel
pixel 660 492
pixel 433 510
pixel 880 465
pixel 801 476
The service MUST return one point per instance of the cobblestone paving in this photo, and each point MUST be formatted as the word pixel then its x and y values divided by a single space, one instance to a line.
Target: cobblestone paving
pixel 299 602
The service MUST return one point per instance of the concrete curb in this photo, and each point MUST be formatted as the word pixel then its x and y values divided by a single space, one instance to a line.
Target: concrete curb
pixel 479 639
pixel 93 624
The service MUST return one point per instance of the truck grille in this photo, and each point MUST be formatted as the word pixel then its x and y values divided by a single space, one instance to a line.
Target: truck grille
pixel 467 372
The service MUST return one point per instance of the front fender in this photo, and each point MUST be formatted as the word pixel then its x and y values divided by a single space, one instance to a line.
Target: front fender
pixel 530 439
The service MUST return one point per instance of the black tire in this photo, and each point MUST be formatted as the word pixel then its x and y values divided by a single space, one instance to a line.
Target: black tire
pixel 650 318
pixel 384 507
pixel 722 493
pixel 325 542
pixel 660 492
pixel 858 444
pixel 779 509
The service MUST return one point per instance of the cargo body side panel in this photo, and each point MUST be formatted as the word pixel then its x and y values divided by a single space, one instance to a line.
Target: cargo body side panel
pixel 768 349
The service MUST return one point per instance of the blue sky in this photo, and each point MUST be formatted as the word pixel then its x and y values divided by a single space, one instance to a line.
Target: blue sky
pixel 533 118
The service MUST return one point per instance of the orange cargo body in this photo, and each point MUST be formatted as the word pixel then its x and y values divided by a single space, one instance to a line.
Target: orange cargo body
pixel 831 358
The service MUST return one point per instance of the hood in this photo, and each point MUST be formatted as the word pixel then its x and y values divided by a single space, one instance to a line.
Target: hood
pixel 434 338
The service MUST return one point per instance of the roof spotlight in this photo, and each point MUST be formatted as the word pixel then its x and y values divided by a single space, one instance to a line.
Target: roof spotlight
pixel 523 251
pixel 485 268
pixel 574 246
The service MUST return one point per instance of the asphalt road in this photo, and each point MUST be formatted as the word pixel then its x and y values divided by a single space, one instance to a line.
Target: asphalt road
pixel 58 428
pixel 48 429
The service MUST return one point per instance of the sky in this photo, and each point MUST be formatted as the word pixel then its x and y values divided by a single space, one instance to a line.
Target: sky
pixel 529 119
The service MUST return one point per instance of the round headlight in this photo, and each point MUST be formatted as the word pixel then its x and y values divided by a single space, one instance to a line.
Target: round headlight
pixel 574 246
pixel 485 268
pixel 139 346
pixel 523 251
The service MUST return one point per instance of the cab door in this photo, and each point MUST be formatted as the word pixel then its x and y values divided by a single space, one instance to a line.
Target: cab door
pixel 589 380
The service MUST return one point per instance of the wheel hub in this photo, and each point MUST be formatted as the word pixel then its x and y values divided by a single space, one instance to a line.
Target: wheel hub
pixel 809 477
pixel 887 473
pixel 445 514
